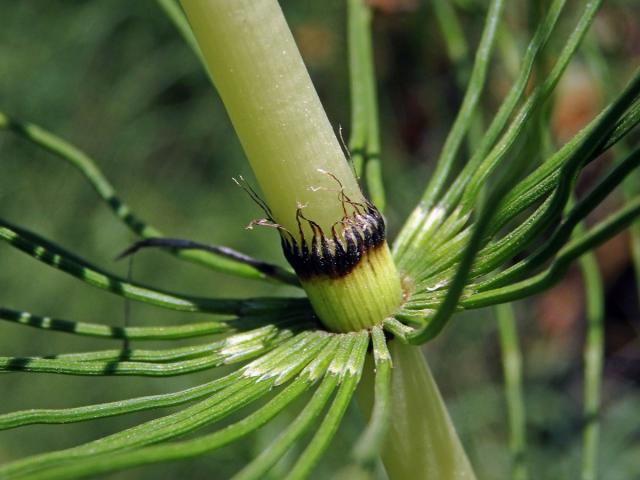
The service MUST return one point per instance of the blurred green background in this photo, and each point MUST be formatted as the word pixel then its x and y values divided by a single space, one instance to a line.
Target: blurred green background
pixel 115 78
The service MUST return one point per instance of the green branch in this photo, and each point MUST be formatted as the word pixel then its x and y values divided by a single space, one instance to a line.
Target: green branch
pixel 369 444
pixel 258 377
pixel 364 141
pixel 582 244
pixel 512 369
pixel 151 363
pixel 109 409
pixel 260 465
pixel 89 169
pixel 593 363
pixel 469 103
pixel 170 332
pixel 46 252
pixel 420 218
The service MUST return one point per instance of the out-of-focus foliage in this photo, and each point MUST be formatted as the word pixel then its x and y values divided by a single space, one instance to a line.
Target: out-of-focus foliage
pixel 115 78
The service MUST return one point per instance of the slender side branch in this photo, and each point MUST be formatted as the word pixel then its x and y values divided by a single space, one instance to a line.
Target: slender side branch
pixel 512 367
pixel 365 137
pixel 593 363
pixel 370 442
pixel 582 244
pixel 89 169
pixel 48 253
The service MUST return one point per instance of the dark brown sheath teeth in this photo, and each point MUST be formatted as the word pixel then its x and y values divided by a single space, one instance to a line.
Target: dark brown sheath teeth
pixel 337 254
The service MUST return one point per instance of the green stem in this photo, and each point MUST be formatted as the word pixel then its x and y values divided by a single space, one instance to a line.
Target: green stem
pixel 373 166
pixel 581 245
pixel 173 11
pixel 467 109
pixel 255 380
pixel 56 257
pixel 169 332
pixel 451 31
pixel 88 167
pixel 422 443
pixel 331 234
pixel 259 74
pixel 366 449
pixel 610 83
pixel 593 361
pixel 424 218
pixel 365 139
pixel 512 366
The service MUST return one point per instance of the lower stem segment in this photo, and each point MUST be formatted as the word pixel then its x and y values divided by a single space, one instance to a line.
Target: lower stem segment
pixel 422 443
pixel 360 299
pixel 347 271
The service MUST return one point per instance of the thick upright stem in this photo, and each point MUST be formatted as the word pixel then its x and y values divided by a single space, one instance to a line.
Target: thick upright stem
pixel 422 443
pixel 332 236
pixel 276 112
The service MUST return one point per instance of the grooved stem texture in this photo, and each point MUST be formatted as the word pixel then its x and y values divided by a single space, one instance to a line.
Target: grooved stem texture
pixel 264 84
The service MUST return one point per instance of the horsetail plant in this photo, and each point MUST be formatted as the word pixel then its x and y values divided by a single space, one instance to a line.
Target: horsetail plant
pixel 473 240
